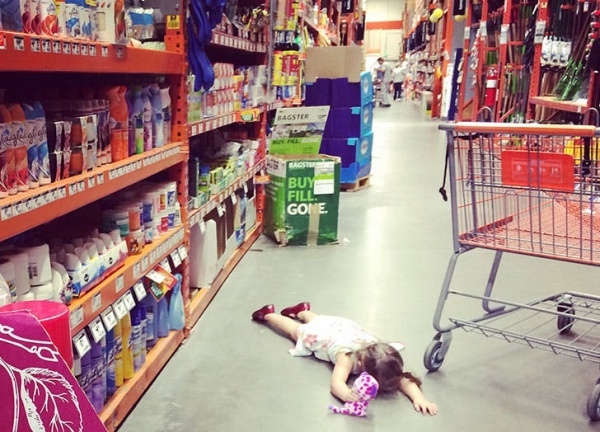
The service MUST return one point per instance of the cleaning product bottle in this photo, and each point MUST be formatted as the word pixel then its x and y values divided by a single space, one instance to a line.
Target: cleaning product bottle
pixel 162 316
pixel 127 347
pixel 158 126
pixel 119 121
pixel 165 98
pixel 86 372
pixel 111 384
pixel 147 119
pixel 31 139
pixel 104 369
pixel 18 126
pixel 42 145
pixel 60 18
pixel 8 168
pixel 136 338
pixel 176 312
pixel 71 14
pixel 118 354
pixel 151 321
pixel 136 119
pixel 144 330
pixel 97 370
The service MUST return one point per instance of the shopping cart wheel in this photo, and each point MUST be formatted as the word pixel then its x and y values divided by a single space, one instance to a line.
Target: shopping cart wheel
pixel 565 323
pixel 593 405
pixel 436 352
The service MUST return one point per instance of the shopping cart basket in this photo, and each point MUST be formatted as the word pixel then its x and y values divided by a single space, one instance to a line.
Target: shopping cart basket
pixel 532 190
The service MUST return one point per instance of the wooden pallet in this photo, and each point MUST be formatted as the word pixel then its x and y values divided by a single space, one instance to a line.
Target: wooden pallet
pixel 361 183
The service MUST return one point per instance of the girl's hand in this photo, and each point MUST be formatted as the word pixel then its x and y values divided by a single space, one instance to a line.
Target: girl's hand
pixel 422 405
pixel 351 396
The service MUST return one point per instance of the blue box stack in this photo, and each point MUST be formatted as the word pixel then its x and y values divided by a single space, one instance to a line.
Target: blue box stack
pixel 349 129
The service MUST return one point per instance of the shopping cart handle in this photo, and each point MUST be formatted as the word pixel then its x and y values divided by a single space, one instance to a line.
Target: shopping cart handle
pixel 521 129
pixel 443 193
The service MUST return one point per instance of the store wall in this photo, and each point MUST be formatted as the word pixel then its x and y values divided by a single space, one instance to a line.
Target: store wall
pixel 383 36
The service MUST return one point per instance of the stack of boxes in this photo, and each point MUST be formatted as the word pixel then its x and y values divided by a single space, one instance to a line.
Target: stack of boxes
pixel 349 129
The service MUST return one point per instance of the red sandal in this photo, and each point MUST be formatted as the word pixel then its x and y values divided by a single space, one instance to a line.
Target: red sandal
pixel 293 311
pixel 260 314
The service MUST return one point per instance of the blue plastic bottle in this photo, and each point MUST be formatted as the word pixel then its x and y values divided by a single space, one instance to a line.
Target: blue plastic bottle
pixel 42 144
pixel 136 338
pixel 144 325
pixel 85 377
pixel 97 370
pixel 176 312
pixel 158 126
pixel 162 317
pixel 10 15
pixel 151 320
pixel 147 119
pixel 31 138
pixel 111 351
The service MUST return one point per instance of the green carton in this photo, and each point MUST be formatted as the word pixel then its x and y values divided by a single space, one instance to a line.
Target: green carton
pixel 303 197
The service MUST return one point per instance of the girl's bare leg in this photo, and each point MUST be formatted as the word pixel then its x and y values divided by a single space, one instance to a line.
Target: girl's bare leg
pixel 284 324
pixel 306 316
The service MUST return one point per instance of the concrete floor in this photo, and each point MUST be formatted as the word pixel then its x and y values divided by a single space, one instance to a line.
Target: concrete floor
pixel 386 273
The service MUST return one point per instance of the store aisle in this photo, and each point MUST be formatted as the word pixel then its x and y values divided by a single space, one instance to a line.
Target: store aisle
pixel 386 273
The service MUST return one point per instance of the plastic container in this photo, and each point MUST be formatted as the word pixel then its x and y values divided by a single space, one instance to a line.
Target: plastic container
pixel 111 383
pixel 151 321
pixel 8 167
pixel 54 317
pixel 162 317
pixel 136 338
pixel 118 349
pixel 128 369
pixel 176 310
pixel 119 123
pixel 20 146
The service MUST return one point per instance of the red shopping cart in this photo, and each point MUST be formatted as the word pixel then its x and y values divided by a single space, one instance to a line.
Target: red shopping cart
pixel 533 190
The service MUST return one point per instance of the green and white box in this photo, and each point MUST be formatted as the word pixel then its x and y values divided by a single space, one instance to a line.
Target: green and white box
pixel 303 198
pixel 298 130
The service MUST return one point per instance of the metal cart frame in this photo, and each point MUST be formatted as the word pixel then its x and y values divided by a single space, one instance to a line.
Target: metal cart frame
pixel 531 190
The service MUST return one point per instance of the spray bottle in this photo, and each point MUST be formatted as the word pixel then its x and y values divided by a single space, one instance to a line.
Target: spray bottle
pixel 128 370
pixel 18 126
pixel 8 168
pixel 31 138
pixel 118 355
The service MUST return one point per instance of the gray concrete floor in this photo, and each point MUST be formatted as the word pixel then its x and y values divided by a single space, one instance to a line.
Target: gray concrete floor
pixel 386 273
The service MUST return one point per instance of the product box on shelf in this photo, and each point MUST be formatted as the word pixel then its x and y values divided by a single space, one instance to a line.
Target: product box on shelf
pixel 350 150
pixel 334 62
pixel 298 130
pixel 302 199
pixel 340 92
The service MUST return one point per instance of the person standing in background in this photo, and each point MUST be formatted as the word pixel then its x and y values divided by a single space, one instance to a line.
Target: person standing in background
pixel 385 72
pixel 398 77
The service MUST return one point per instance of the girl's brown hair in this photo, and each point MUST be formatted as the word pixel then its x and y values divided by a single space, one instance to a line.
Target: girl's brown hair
pixel 385 364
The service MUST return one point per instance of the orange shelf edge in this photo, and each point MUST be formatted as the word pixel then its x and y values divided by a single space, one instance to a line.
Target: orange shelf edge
pixel 202 299
pixel 123 401
pixel 230 41
pixel 26 210
pixel 25 52
pixel 118 283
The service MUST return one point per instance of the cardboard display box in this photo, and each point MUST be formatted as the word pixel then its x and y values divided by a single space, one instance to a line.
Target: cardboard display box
pixel 334 62
pixel 302 202
pixel 349 122
pixel 350 150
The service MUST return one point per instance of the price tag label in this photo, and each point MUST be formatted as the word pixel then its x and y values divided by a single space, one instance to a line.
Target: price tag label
pixel 35 45
pixel 245 188
pixel 175 258
pixel 220 211
pixel 46 46
pixel 66 47
pixel 540 29
pixel 173 22
pixel 104 51
pixel 137 270
pixel 145 263
pixel 504 34
pixel 56 47
pixel 80 186
pixel 76 317
pixel 119 284
pixel 140 290
pixel 165 264
pixel 155 276
pixel 129 300
pixel 75 48
pixel 93 51
pixel 82 343
pixel 91 182
pixel 120 309
pixel 120 52
pixel 97 302
pixel 183 252
pixel 483 29
pixel 97 329
pixel 84 49
pixel 109 319
pixel 234 198
pixel 100 178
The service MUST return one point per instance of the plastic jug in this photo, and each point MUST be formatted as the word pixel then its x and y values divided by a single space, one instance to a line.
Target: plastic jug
pixel 203 254
pixel 176 312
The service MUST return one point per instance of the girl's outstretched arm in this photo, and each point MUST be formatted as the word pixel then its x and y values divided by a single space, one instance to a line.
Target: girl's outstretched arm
pixel 339 378
pixel 414 393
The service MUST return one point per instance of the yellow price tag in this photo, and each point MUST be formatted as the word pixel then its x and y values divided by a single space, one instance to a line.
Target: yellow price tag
pixel 173 22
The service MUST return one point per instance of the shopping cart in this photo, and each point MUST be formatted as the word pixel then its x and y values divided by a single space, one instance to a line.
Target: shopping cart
pixel 531 190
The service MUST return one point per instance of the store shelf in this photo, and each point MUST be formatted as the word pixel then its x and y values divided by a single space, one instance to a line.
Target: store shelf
pixel 204 296
pixel 196 215
pixel 229 41
pixel 123 401
pixel 106 293
pixel 24 52
pixel 26 210
pixel 552 102
pixel 212 123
